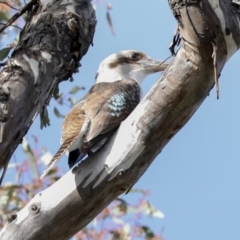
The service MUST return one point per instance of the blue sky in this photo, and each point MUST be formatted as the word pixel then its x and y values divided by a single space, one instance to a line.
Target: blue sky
pixel 195 180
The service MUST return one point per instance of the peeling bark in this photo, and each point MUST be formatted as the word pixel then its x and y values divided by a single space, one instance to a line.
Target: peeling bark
pixel 56 36
pixel 83 192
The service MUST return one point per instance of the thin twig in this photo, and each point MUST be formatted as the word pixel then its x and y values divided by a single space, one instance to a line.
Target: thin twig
pixel 214 56
pixel 12 26
pixel 175 41
pixel 9 5
pixel 165 60
pixel 19 14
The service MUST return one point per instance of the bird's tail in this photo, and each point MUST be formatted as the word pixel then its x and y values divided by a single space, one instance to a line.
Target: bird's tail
pixel 57 156
pixel 75 157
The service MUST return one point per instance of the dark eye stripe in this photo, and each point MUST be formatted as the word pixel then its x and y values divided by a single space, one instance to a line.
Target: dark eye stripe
pixel 135 56
pixel 126 60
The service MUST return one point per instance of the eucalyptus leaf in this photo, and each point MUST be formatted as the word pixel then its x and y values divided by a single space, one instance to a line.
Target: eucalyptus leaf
pixel 44 118
pixel 3 16
pixel 57 113
pixel 28 151
pixel 56 92
pixel 76 89
pixel 72 101
pixel 4 53
pixel 123 205
pixel 148 232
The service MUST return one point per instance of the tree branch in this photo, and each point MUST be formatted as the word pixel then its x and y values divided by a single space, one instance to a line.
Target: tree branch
pixel 72 202
pixel 27 7
pixel 9 5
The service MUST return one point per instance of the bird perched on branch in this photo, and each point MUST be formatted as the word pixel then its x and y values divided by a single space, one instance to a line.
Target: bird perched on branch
pixel 111 99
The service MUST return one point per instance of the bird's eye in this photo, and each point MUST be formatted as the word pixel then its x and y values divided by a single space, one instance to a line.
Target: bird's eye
pixel 135 56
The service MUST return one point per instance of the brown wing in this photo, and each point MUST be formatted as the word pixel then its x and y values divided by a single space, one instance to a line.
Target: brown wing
pixel 108 105
pixel 71 129
pixel 73 122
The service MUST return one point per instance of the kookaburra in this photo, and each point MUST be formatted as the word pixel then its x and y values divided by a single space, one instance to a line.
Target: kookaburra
pixel 110 100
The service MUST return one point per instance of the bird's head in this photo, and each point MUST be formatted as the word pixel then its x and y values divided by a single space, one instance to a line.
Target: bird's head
pixel 128 64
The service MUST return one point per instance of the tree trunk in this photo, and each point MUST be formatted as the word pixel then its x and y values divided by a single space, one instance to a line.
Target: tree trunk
pixel 56 36
pixel 210 36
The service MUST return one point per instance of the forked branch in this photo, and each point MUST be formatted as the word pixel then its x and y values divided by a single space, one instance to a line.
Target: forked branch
pixel 83 192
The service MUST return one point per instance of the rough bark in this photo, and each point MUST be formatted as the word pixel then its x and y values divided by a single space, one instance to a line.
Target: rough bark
pixel 71 203
pixel 56 36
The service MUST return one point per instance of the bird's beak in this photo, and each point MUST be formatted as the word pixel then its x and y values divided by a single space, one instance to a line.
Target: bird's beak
pixel 152 65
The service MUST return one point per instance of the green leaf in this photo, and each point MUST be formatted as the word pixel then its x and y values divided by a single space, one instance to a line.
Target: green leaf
pixel 44 119
pixel 4 53
pixel 148 232
pixel 52 172
pixel 60 99
pixel 152 211
pixel 109 20
pixel 135 190
pixel 123 205
pixel 72 101
pixel 10 200
pixel 76 89
pixel 115 235
pixel 28 151
pixel 3 16
pixel 57 113
pixel 56 92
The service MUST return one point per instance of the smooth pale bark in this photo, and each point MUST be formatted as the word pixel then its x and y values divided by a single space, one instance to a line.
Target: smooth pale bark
pixel 71 203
